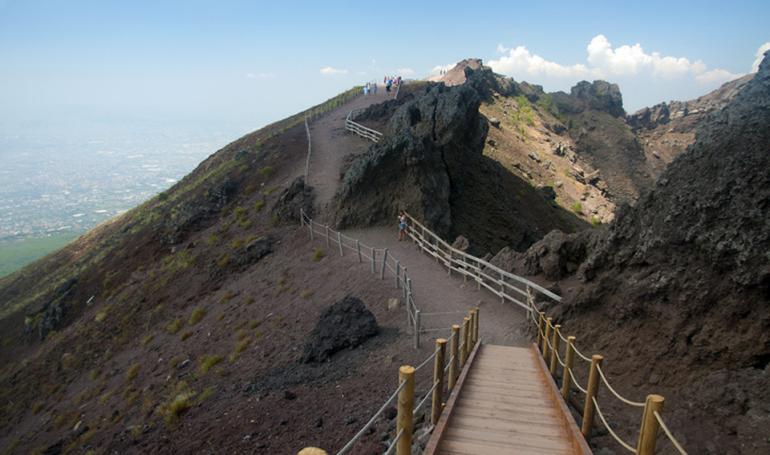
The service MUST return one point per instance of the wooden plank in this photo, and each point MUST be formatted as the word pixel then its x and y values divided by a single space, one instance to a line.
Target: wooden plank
pixel 509 439
pixel 480 448
pixel 511 417
pixel 507 408
pixel 509 390
pixel 510 401
pixel 522 426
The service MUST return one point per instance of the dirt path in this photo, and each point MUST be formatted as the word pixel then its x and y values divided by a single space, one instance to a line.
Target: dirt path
pixel 434 290
pixel 331 144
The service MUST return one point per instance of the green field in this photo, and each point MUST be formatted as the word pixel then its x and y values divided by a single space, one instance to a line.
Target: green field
pixel 15 254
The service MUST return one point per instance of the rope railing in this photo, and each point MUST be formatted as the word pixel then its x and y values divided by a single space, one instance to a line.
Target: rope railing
pixel 460 344
pixel 668 434
pixel 509 287
pixel 609 428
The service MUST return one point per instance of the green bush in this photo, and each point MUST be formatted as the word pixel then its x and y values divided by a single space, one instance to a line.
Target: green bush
pixel 577 207
pixel 208 362
pixel 318 254
pixel 196 316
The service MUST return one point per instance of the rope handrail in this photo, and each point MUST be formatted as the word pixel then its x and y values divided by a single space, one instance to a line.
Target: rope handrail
pixel 671 437
pixel 425 362
pixel 580 354
pixel 395 441
pixel 425 398
pixel 575 383
pixel 371 421
pixel 615 392
pixel 609 429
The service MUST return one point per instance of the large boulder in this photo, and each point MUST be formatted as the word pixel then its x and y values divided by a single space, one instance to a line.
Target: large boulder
pixel 600 96
pixel 346 324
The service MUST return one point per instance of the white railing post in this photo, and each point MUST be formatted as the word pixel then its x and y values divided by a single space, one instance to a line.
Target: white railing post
pixel 502 288
pixel 384 264
pixel 327 236
pixel 374 266
pixel 416 329
pixel 358 250
pixel 301 218
pixel 339 241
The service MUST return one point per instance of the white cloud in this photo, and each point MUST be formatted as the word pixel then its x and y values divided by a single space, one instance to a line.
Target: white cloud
pixel 605 61
pixel 760 55
pixel 405 71
pixel 716 77
pixel 328 70
pixel 439 68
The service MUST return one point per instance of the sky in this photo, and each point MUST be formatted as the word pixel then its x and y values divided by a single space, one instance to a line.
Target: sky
pixel 247 63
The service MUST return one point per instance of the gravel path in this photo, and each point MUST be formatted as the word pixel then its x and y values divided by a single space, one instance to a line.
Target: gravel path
pixel 433 289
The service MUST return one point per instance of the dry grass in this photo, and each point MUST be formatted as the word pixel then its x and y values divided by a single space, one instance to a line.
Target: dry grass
pixel 318 254
pixel 146 340
pixel 174 326
pixel 228 295
pixel 196 316
pixel 207 362
pixel 132 371
pixel 186 335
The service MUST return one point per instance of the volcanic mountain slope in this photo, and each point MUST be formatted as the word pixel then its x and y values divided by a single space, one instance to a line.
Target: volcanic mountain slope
pixel 179 327
pixel 580 148
pixel 685 274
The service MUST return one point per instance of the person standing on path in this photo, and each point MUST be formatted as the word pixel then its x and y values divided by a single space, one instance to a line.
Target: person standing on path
pixel 402 226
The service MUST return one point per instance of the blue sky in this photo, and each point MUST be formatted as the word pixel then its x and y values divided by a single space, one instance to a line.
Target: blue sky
pixel 249 63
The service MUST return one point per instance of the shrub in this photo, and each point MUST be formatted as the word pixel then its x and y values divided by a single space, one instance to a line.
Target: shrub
pixel 577 207
pixel 242 344
pixel 174 326
pixel 259 205
pixel 595 221
pixel 196 316
pixel 306 293
pixel 186 335
pixel 132 371
pixel 266 171
pixel 223 260
pixel 318 254
pixel 240 212
pixel 236 244
pixel 212 239
pixel 146 340
pixel 208 362
pixel 100 316
pixel 205 395
pixel 176 407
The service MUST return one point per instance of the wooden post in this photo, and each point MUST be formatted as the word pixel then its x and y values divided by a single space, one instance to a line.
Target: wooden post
pixel 384 264
pixel 374 266
pixel 547 334
pixel 478 278
pixel 530 303
pixel 541 317
pixel 312 451
pixel 310 226
pixel 464 341
pixel 438 378
pixel 339 241
pixel 472 330
pixel 398 272
pixel 327 236
pixel 648 433
pixel 416 329
pixel 555 351
pixel 358 250
pixel 592 390
pixel 566 374
pixel 301 217
pixel 404 411
pixel 476 326
pixel 453 353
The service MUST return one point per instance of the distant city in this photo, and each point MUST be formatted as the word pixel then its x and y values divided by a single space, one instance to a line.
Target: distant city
pixel 57 184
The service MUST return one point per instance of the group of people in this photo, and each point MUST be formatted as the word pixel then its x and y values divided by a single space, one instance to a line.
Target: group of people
pixel 389 82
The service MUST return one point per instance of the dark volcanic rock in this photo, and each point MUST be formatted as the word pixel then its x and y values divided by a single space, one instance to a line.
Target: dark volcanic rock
pixel 297 196
pixel 424 140
pixel 686 274
pixel 650 117
pixel 600 96
pixel 51 316
pixel 346 324
pixel 254 251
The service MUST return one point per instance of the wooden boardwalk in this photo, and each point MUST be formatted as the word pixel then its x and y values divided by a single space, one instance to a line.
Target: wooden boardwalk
pixel 506 403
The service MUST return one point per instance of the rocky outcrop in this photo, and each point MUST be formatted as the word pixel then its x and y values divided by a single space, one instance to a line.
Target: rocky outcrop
pixel 346 324
pixel 297 196
pixel 427 140
pixel 597 96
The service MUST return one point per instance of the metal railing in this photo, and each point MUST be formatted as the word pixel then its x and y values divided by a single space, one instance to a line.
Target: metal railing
pixel 381 262
pixel 446 370
pixel 360 129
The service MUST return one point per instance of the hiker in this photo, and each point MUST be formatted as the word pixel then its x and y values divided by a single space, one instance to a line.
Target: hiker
pixel 402 226
pixel 388 83
pixel 375 87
